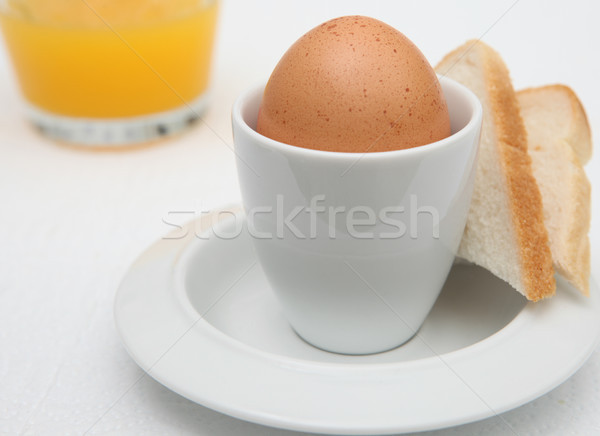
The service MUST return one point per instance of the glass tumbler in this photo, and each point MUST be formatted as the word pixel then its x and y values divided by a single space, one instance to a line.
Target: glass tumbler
pixel 111 72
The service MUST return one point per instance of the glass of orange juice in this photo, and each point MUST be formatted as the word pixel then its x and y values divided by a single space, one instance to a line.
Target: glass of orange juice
pixel 111 72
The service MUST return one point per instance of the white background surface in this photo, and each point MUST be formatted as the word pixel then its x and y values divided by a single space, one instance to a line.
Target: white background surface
pixel 72 221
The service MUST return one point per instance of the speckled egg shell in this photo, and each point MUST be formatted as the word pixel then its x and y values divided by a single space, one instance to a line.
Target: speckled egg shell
pixel 354 84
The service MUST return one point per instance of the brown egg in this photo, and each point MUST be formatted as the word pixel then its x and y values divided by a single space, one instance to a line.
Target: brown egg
pixel 354 84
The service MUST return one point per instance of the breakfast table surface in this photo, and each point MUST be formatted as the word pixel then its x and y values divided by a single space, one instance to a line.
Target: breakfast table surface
pixel 73 220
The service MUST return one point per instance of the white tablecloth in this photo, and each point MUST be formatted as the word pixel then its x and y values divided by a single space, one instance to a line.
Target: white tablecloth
pixel 72 220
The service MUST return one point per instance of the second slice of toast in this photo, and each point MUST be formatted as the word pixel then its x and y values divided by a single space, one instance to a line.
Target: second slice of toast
pixel 560 143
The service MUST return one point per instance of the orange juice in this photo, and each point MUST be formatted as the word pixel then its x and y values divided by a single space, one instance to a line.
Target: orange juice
pixel 107 59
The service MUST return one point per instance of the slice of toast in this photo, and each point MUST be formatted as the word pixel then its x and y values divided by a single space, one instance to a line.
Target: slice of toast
pixel 560 143
pixel 505 231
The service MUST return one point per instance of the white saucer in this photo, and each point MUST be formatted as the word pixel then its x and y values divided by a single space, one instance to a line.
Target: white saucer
pixel 197 314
